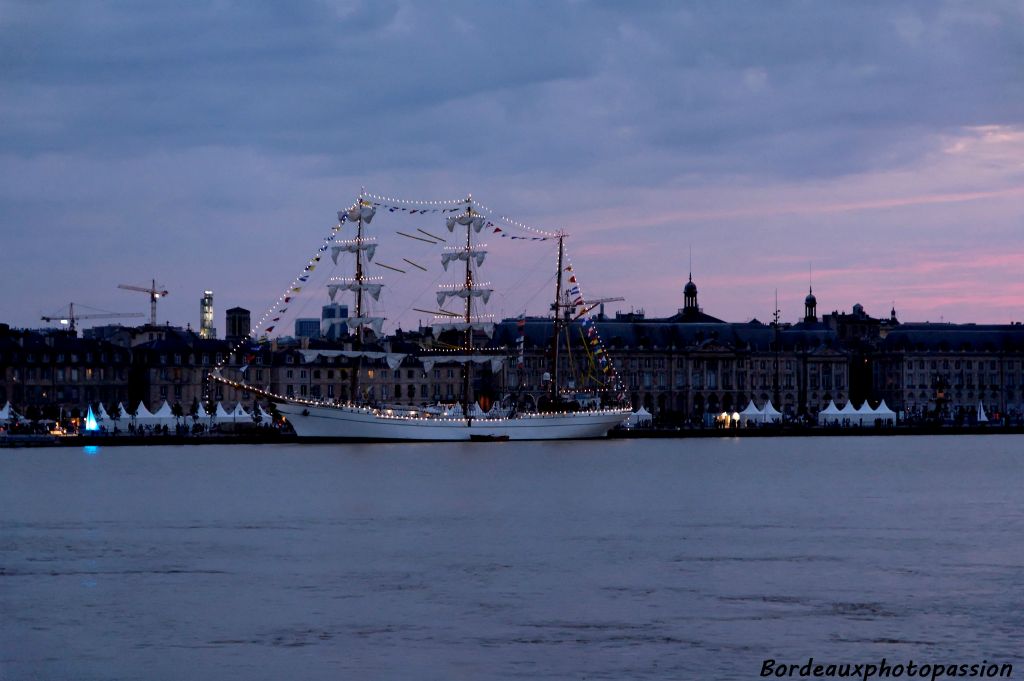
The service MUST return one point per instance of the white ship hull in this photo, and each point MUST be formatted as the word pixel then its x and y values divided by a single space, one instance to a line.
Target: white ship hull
pixel 356 423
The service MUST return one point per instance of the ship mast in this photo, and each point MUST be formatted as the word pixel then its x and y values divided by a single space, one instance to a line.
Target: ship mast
pixel 360 276
pixel 557 307
pixel 467 367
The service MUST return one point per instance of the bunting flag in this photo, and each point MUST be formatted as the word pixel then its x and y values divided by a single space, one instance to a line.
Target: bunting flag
pixel 275 312
pixel 413 211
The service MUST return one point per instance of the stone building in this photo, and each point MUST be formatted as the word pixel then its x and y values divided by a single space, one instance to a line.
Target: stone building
pixel 56 369
pixel 691 364
pixel 948 369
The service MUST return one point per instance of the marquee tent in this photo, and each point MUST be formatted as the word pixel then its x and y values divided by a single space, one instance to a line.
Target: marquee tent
pixel 641 417
pixel 751 413
pixel 884 413
pixel 829 414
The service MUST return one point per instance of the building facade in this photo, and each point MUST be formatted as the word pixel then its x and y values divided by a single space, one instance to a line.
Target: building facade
pixel 682 368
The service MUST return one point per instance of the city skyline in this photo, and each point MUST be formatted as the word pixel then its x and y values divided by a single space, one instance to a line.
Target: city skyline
pixel 210 147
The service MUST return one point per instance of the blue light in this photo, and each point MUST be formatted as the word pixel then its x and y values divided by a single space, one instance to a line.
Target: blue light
pixel 91 450
pixel 90 421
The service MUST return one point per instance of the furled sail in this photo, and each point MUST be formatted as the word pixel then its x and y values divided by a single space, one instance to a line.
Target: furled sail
pixel 496 362
pixel 372 289
pixel 483 293
pixel 351 247
pixel 356 212
pixel 477 256
pixel 475 220
pixel 376 323
pixel 393 359
pixel 486 327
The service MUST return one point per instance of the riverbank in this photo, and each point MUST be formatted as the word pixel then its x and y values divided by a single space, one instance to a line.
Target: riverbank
pixel 249 438
pixel 277 437
pixel 813 431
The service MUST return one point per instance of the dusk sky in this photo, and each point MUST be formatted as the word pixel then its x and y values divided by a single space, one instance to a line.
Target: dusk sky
pixel 210 144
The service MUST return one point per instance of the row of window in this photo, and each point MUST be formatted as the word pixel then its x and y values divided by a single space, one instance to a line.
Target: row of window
pixel 62 358
pixel 74 375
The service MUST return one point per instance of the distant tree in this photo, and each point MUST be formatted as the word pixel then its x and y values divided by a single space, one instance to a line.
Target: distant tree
pixel 193 411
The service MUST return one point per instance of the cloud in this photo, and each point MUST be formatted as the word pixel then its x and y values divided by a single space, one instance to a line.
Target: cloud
pixel 193 138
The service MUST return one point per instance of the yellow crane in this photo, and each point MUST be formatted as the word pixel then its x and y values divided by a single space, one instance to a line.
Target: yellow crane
pixel 155 294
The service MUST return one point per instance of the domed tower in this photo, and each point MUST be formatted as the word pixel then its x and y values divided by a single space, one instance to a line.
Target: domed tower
pixel 690 297
pixel 810 307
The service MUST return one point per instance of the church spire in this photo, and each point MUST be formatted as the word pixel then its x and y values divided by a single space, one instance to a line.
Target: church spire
pixel 810 302
pixel 690 291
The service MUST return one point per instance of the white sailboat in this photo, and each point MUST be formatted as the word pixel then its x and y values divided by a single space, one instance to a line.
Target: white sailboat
pixel 559 418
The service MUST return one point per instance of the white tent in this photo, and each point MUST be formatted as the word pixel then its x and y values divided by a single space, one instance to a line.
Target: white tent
pixel 641 417
pixel 849 413
pixel 884 413
pixel 165 415
pixel 201 413
pixel 829 414
pixel 982 416
pixel 8 414
pixel 101 414
pixel 751 413
pixel 262 416
pixel 143 416
pixel 240 413
pixel 221 415
pixel 866 414
pixel 771 413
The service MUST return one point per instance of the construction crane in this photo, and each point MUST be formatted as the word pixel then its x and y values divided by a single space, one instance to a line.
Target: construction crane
pixel 71 318
pixel 154 294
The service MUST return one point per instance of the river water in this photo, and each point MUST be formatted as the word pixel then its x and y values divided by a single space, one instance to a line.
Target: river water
pixel 648 559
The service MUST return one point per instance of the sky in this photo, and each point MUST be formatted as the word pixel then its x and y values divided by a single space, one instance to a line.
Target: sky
pixel 208 145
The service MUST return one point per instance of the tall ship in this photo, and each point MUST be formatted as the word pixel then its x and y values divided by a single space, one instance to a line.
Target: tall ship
pixel 559 414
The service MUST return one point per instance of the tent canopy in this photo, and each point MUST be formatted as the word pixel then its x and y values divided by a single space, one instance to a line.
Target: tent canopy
pixel 164 412
pixel 751 410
